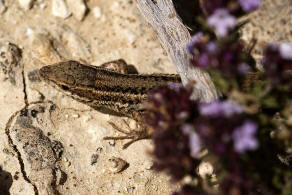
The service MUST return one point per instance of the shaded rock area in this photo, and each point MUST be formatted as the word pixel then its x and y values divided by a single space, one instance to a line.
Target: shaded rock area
pixel 52 144
pixel 5 182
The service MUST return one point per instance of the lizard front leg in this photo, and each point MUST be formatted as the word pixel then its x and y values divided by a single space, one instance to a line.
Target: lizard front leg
pixel 134 134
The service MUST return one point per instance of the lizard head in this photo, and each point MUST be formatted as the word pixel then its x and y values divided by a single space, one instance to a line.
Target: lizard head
pixel 65 75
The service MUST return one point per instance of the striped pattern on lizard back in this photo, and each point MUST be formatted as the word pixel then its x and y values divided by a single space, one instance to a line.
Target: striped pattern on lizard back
pixel 99 87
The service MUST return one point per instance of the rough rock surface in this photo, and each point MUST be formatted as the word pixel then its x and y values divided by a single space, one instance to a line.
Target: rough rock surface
pixel 50 143
pixel 271 23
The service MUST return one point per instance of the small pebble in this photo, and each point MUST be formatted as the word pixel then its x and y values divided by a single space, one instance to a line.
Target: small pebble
pixel 204 169
pixel 2 6
pixel 26 4
pixel 148 165
pixel 75 115
pixel 130 189
pixel 43 5
pixel 8 151
pixel 99 149
pixel 29 31
pixel 117 164
pixel 87 118
pixel 187 179
pixel 140 178
pixel 112 143
pixel 94 158
pixel 36 95
pixel 60 9
pixel 131 36
pixel 115 6
pixel 78 8
pixel 44 48
pixel 67 163
pixel 132 124
pixel 96 12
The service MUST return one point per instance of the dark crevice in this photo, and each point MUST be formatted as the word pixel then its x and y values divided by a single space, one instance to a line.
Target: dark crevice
pixel 6 181
pixel 54 182
pixel 24 87
pixel 189 11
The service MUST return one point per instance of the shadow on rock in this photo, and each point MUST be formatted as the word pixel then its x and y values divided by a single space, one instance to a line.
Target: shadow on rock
pixel 5 182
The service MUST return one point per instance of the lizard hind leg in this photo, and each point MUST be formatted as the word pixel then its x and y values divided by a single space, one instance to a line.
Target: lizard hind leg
pixel 132 134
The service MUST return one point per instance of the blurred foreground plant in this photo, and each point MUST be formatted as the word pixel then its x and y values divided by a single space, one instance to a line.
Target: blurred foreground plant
pixel 247 133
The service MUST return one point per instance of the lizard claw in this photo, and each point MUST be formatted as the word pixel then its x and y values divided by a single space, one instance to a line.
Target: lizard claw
pixel 134 135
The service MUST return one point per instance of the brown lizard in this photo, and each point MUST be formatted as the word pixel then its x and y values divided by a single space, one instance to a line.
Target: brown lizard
pixel 108 88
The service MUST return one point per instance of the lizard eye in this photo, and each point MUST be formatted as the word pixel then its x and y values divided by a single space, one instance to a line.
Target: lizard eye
pixel 66 82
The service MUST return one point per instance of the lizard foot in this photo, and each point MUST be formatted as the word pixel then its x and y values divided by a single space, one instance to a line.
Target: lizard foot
pixel 133 134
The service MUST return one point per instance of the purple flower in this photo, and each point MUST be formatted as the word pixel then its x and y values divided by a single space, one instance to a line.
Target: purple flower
pixel 168 110
pixel 194 140
pixel 286 51
pixel 216 124
pixel 175 86
pixel 277 62
pixel 243 137
pixel 230 108
pixel 243 68
pixel 222 21
pixel 249 5
pixel 203 60
pixel 211 47
pixel 225 55
pixel 195 39
pixel 217 108
pixel 212 108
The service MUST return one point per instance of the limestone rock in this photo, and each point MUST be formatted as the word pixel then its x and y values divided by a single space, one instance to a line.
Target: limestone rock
pixel 60 9
pixel 78 8
pixel 96 12
pixel 2 6
pixel 26 4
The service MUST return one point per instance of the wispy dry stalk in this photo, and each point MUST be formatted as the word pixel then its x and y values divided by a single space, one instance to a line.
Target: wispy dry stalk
pixel 174 37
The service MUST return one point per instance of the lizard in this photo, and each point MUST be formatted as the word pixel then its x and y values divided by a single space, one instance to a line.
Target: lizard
pixel 108 88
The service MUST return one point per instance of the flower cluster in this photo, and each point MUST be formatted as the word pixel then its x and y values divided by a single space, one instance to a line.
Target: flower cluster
pixel 181 131
pixel 222 21
pixel 172 149
pixel 247 132
pixel 222 13
pixel 277 63
pixel 237 135
pixel 226 55
pixel 236 7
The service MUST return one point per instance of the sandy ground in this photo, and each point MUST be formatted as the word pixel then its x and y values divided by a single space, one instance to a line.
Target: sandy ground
pixel 55 145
